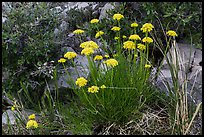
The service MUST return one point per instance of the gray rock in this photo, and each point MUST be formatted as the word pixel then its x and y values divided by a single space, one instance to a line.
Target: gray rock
pixel 65 80
pixel 106 8
pixel 63 26
pixel 194 77
pixel 8 117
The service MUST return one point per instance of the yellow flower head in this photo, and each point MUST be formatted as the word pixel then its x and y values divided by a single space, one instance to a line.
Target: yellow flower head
pixel 171 33
pixel 147 27
pixel 81 82
pixel 134 37
pixel 129 45
pixel 147 66
pixel 31 124
pixel 147 39
pixel 106 56
pixel 93 89
pixel 103 86
pixel 89 44
pixel 13 107
pixel 134 25
pixel 98 34
pixel 115 28
pixel 62 60
pixel 111 62
pixel 93 21
pixel 78 31
pixel 116 38
pixel 70 55
pixel 87 51
pixel 118 16
pixel 141 46
pixel 98 57
pixel 124 36
pixel 31 117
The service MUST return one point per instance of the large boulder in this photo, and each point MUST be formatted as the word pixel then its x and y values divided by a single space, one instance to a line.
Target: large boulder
pixel 190 58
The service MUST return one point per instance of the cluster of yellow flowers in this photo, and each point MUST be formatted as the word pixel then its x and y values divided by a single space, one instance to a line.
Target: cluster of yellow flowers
pixel 118 16
pixel 171 33
pixel 124 36
pixel 32 123
pixel 147 66
pixel 141 46
pixel 134 25
pixel 106 56
pixel 116 38
pixel 147 40
pixel 87 51
pixel 62 60
pixel 78 31
pixel 93 89
pixel 93 21
pixel 70 55
pixel 111 62
pixel 134 37
pixel 147 27
pixel 81 82
pixel 98 57
pixel 89 44
pixel 115 28
pixel 129 45
pixel 98 34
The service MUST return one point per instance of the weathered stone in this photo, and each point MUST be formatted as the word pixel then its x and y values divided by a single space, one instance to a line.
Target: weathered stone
pixel 194 72
pixel 106 8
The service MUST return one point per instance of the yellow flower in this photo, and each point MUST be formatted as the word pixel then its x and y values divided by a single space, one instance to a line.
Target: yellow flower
pixel 98 57
pixel 87 51
pixel 31 124
pixel 147 39
pixel 124 36
pixel 115 28
pixel 118 16
pixel 93 89
pixel 62 60
pixel 78 31
pixel 111 62
pixel 94 21
pixel 134 25
pixel 116 38
pixel 89 44
pixel 31 117
pixel 70 55
pixel 106 56
pixel 98 34
pixel 13 107
pixel 81 82
pixel 147 27
pixel 141 46
pixel 134 37
pixel 171 33
pixel 147 66
pixel 129 45
pixel 103 86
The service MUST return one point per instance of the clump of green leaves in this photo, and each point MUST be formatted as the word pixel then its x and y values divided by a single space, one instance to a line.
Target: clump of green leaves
pixel 27 41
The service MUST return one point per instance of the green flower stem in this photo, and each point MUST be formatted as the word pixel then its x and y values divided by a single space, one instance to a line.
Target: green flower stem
pixel 75 68
pixel 91 68
pixel 112 76
pixel 120 48
pixel 96 111
pixel 68 74
pixel 102 104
